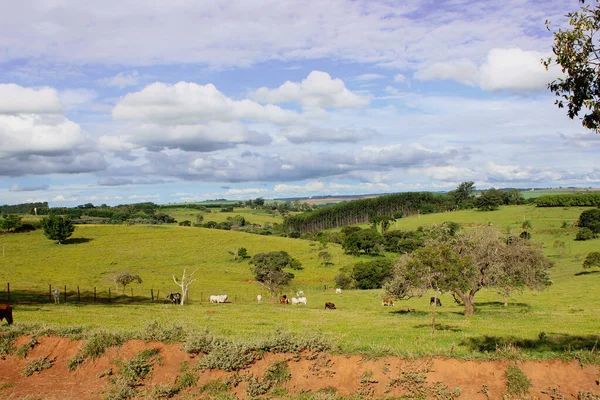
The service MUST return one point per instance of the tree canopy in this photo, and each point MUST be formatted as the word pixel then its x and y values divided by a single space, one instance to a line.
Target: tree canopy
pixel 365 241
pixel 467 262
pixel 269 269
pixel 57 228
pixel 577 52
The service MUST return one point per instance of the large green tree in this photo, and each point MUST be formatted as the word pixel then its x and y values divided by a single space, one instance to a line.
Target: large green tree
pixel 57 228
pixel 10 222
pixel 269 269
pixel 468 262
pixel 365 241
pixel 577 52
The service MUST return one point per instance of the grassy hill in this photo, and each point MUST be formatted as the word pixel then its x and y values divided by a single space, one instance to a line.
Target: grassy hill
pixel 565 316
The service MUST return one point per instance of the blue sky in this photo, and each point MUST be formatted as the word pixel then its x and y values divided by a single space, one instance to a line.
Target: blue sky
pixel 126 101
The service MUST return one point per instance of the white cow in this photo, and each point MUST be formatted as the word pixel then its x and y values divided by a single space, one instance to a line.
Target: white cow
pixel 222 298
pixel 338 291
pixel 300 293
pixel 259 298
pixel 299 300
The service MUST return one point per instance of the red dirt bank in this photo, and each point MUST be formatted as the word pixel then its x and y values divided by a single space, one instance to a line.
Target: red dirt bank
pixel 322 371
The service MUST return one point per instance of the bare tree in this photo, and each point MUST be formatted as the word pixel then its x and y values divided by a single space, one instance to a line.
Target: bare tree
pixel 183 284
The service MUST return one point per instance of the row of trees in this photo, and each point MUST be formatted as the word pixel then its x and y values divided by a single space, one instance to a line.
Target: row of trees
pixel 569 200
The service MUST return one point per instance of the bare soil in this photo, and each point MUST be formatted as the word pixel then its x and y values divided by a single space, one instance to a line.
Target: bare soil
pixel 309 372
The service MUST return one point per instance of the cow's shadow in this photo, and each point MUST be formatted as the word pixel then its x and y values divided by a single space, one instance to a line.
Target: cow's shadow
pixel 556 342
pixel 410 311
pixel 587 273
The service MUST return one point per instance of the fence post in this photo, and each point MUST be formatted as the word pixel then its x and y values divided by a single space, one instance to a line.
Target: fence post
pixel 49 293
pixel 65 294
pixel 108 295
pixel 152 295
pixel 78 295
pixel 94 294
pixel 8 291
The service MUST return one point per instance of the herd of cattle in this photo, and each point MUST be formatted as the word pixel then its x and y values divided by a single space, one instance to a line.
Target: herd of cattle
pixel 299 299
pixel 175 298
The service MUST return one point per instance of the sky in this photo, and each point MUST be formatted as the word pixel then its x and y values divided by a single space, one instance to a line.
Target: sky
pixel 118 102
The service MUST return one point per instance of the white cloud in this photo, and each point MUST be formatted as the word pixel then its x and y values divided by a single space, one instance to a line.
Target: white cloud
pixel 303 134
pixel 504 69
pixel 400 78
pixel 188 103
pixel 123 79
pixel 310 187
pixel 74 98
pixel 317 90
pixel 245 192
pixel 15 99
pixel 368 77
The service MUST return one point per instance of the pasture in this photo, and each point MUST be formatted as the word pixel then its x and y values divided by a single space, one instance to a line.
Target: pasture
pixel 259 216
pixel 541 324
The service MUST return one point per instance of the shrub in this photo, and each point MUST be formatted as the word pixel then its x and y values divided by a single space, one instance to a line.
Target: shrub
pixel 38 365
pixel 160 332
pixel 592 260
pixel 584 234
pixel 371 274
pixel 517 382
pixel 343 281
pixel 197 343
pixel 228 357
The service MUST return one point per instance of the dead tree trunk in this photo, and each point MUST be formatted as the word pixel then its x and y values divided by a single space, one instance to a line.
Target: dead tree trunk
pixel 183 284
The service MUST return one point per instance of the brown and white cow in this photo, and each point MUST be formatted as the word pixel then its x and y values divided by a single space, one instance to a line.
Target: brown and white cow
pixel 329 306
pixel 387 303
pixel 284 300
pixel 6 313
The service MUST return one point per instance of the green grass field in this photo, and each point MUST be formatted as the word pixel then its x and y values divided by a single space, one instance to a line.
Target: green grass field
pixel 567 313
pixel 260 217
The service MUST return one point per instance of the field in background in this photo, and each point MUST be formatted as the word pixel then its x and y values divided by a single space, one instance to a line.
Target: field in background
pixel 260 217
pixel 528 194
pixel 567 311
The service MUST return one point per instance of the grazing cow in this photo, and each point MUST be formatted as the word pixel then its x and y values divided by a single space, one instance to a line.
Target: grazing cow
pixel 329 306
pixel 338 291
pixel 299 293
pixel 387 303
pixel 302 300
pixel 56 295
pixel 295 300
pixel 259 298
pixel 174 297
pixel 284 300
pixel 221 298
pixel 6 313
pixel 435 300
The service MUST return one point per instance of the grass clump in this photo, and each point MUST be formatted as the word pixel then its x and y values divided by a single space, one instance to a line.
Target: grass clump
pixel 75 362
pixel 160 332
pixel 98 342
pixel 587 395
pixel 417 387
pixel 517 382
pixel 214 387
pixel 6 385
pixel 132 375
pixel 228 357
pixel 27 347
pixel 278 373
pixel 161 392
pixel 38 365
pixel 199 342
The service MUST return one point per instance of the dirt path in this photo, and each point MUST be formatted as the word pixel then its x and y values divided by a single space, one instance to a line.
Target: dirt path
pixel 389 376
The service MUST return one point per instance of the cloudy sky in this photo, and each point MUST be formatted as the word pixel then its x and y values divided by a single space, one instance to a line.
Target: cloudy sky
pixel 128 101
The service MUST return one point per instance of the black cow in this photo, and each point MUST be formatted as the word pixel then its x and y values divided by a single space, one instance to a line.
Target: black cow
pixel 175 298
pixel 437 301
pixel 329 306
pixel 6 313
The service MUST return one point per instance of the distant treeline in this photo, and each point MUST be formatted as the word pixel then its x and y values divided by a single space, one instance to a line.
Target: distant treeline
pixel 569 200
pixel 25 208
pixel 363 211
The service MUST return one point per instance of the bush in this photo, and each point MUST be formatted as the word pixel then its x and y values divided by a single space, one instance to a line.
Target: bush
pixel 517 382
pixel 38 365
pixel 364 241
pixel 343 281
pixel 584 234
pixel 371 274
pixel 160 332
pixel 592 260
pixel 228 357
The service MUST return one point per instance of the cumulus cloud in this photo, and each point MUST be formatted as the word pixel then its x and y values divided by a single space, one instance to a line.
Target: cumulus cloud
pixel 303 134
pixel 317 90
pixel 245 192
pixel 504 69
pixel 187 103
pixel 15 99
pixel 112 181
pixel 122 79
pixel 35 138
